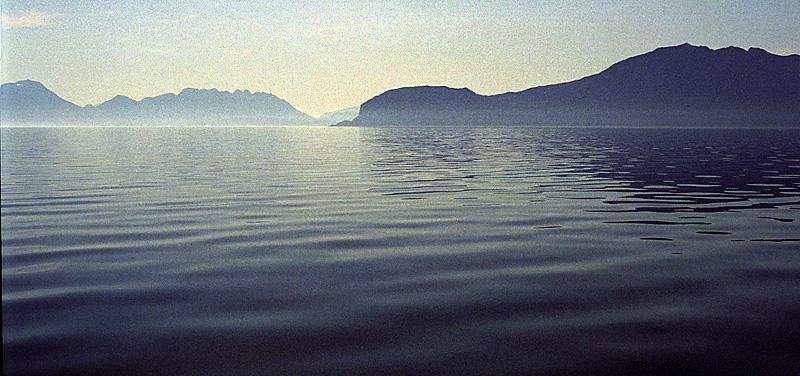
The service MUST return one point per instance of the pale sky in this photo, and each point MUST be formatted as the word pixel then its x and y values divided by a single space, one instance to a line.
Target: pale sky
pixel 327 55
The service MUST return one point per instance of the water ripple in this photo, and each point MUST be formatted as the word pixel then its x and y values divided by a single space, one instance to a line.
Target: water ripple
pixel 433 251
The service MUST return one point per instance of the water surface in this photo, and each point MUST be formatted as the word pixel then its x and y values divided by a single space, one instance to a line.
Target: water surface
pixel 346 250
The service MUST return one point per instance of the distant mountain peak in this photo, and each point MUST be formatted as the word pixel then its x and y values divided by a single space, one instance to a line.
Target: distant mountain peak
pixel 29 100
pixel 121 98
pixel 215 91
pixel 686 46
pixel 27 83
pixel 27 86
pixel 195 91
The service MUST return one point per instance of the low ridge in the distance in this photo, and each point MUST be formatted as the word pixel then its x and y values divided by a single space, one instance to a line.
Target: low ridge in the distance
pixel 678 86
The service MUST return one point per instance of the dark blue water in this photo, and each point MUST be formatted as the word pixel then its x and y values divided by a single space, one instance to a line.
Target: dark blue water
pixel 338 251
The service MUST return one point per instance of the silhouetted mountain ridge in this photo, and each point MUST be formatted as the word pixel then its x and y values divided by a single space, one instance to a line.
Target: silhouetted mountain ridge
pixel 31 102
pixel 207 106
pixel 28 100
pixel 681 85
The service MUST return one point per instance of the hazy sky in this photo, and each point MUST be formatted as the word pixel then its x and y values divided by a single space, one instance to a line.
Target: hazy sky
pixel 323 56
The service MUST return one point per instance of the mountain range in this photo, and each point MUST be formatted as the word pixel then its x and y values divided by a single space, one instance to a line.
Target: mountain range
pixel 681 85
pixel 29 102
pixel 673 86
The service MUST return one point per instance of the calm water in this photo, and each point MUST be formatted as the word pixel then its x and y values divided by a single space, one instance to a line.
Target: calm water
pixel 323 250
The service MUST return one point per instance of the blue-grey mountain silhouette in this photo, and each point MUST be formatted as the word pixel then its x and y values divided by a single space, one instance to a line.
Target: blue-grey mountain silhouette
pixel 203 106
pixel 31 102
pixel 671 86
